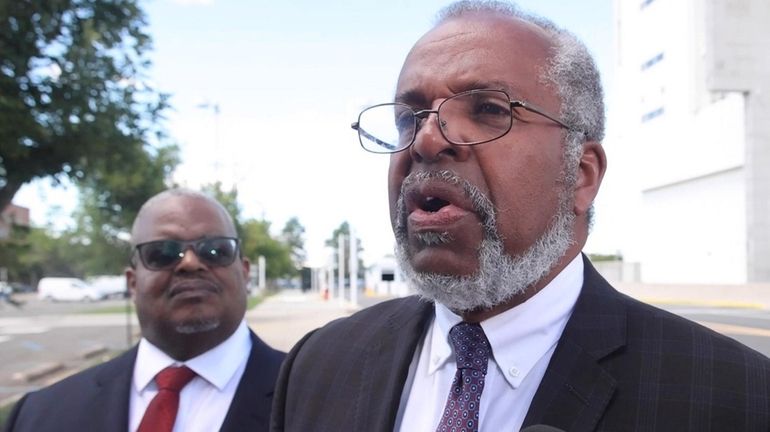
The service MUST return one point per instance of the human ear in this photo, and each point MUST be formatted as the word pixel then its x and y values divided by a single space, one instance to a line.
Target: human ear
pixel 593 164
pixel 130 273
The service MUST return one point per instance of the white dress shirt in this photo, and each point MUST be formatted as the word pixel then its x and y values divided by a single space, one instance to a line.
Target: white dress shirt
pixel 522 340
pixel 204 401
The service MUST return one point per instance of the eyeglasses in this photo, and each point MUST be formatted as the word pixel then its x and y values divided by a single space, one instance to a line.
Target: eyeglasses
pixel 165 254
pixel 468 118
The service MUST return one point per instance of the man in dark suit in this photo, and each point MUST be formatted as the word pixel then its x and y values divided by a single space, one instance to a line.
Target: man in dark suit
pixel 189 285
pixel 496 157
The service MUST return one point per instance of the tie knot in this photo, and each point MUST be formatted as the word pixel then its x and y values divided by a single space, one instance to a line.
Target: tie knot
pixel 174 378
pixel 471 346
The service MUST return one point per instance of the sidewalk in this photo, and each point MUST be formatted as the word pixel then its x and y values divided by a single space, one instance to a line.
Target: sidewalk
pixel 282 319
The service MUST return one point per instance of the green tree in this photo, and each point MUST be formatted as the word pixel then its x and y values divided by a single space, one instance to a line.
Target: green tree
pixel 257 241
pixel 74 98
pixel 229 200
pixel 293 234
pixel 255 235
pixel 44 254
pixel 344 229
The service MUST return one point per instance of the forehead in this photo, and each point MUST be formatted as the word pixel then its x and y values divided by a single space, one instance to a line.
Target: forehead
pixel 477 50
pixel 183 218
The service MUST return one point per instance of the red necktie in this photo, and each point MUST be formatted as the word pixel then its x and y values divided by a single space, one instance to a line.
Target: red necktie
pixel 161 413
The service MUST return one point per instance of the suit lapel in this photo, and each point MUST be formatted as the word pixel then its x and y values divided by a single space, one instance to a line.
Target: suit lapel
pixel 386 366
pixel 250 408
pixel 576 389
pixel 110 394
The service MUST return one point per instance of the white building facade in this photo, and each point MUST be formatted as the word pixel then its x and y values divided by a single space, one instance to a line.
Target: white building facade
pixel 693 98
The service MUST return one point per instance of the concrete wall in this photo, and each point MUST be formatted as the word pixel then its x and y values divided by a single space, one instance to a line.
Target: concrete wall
pixel 705 158
pixel 697 231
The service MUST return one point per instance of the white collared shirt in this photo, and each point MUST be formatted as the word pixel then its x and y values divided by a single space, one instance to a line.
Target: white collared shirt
pixel 523 340
pixel 204 402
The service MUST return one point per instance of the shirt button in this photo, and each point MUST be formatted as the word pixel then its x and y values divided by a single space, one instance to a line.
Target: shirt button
pixel 514 372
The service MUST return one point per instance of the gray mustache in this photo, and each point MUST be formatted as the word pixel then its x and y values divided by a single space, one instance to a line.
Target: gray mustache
pixel 482 205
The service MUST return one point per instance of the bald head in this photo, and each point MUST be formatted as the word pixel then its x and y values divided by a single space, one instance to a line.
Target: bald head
pixel 180 196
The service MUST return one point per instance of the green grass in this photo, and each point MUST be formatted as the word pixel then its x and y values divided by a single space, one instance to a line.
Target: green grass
pixel 113 309
pixel 254 300
pixel 4 412
pixel 121 308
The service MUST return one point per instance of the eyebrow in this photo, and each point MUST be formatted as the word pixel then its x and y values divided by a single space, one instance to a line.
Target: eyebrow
pixel 411 97
pixel 416 98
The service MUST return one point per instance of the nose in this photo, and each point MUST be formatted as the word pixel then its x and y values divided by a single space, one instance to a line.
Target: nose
pixel 190 261
pixel 430 144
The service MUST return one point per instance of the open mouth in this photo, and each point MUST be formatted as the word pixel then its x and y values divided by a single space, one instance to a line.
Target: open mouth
pixel 432 204
pixel 435 206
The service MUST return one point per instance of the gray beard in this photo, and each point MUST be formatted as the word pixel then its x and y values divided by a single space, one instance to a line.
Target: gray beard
pixel 199 326
pixel 500 276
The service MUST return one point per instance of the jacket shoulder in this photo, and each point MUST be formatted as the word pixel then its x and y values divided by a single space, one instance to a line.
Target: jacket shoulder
pixel 65 402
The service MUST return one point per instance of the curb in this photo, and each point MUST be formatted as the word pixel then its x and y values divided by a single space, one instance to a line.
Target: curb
pixel 46 369
pixel 93 352
pixel 38 372
pixel 729 304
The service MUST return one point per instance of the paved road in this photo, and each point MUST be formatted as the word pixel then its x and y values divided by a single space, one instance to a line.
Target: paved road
pixel 44 334
pixel 749 326
pixel 65 337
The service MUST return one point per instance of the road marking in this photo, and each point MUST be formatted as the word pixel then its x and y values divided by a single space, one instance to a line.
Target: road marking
pixel 735 329
pixel 24 330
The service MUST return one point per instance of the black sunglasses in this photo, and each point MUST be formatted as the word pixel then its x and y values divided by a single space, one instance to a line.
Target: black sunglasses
pixel 166 254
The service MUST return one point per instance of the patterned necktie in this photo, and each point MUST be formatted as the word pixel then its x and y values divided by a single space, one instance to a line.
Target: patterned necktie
pixel 471 348
pixel 161 413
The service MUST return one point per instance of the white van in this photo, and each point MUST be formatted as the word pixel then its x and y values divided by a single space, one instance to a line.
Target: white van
pixel 109 286
pixel 66 289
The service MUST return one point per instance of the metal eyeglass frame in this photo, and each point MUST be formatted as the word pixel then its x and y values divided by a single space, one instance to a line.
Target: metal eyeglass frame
pixel 421 114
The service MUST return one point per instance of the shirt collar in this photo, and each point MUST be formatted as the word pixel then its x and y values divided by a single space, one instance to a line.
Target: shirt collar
pixel 215 365
pixel 522 335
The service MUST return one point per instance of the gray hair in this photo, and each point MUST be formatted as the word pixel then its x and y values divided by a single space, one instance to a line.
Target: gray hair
pixel 571 71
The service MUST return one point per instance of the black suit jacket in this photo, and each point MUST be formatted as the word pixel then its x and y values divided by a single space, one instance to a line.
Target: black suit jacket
pixel 620 365
pixel 97 399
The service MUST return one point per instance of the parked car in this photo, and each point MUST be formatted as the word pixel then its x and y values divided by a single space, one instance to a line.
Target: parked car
pixel 110 286
pixel 21 287
pixel 66 289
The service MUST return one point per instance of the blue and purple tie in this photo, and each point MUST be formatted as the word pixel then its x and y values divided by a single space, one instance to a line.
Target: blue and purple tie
pixel 471 348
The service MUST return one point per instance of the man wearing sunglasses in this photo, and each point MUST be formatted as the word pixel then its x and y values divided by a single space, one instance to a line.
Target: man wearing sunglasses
pixel 494 139
pixel 197 367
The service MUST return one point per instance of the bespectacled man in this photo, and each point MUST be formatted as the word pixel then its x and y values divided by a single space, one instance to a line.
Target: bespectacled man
pixel 495 151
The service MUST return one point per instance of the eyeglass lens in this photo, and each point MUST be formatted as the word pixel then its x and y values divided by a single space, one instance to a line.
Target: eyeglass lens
pixel 163 254
pixel 467 118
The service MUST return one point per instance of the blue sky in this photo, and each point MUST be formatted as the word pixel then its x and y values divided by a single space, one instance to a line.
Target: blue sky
pixel 289 78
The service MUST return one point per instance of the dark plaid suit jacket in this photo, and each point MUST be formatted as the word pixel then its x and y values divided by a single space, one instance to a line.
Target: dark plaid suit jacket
pixel 97 398
pixel 620 365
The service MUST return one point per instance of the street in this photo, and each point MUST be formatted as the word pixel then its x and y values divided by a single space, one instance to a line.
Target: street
pixel 55 340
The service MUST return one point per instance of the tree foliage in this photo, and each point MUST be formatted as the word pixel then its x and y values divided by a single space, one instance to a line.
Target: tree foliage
pixel 256 238
pixel 258 241
pixel 74 100
pixel 229 200
pixel 293 234
pixel 333 242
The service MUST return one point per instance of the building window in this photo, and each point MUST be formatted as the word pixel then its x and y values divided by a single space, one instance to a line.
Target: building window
pixel 652 61
pixel 652 114
pixel 645 3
